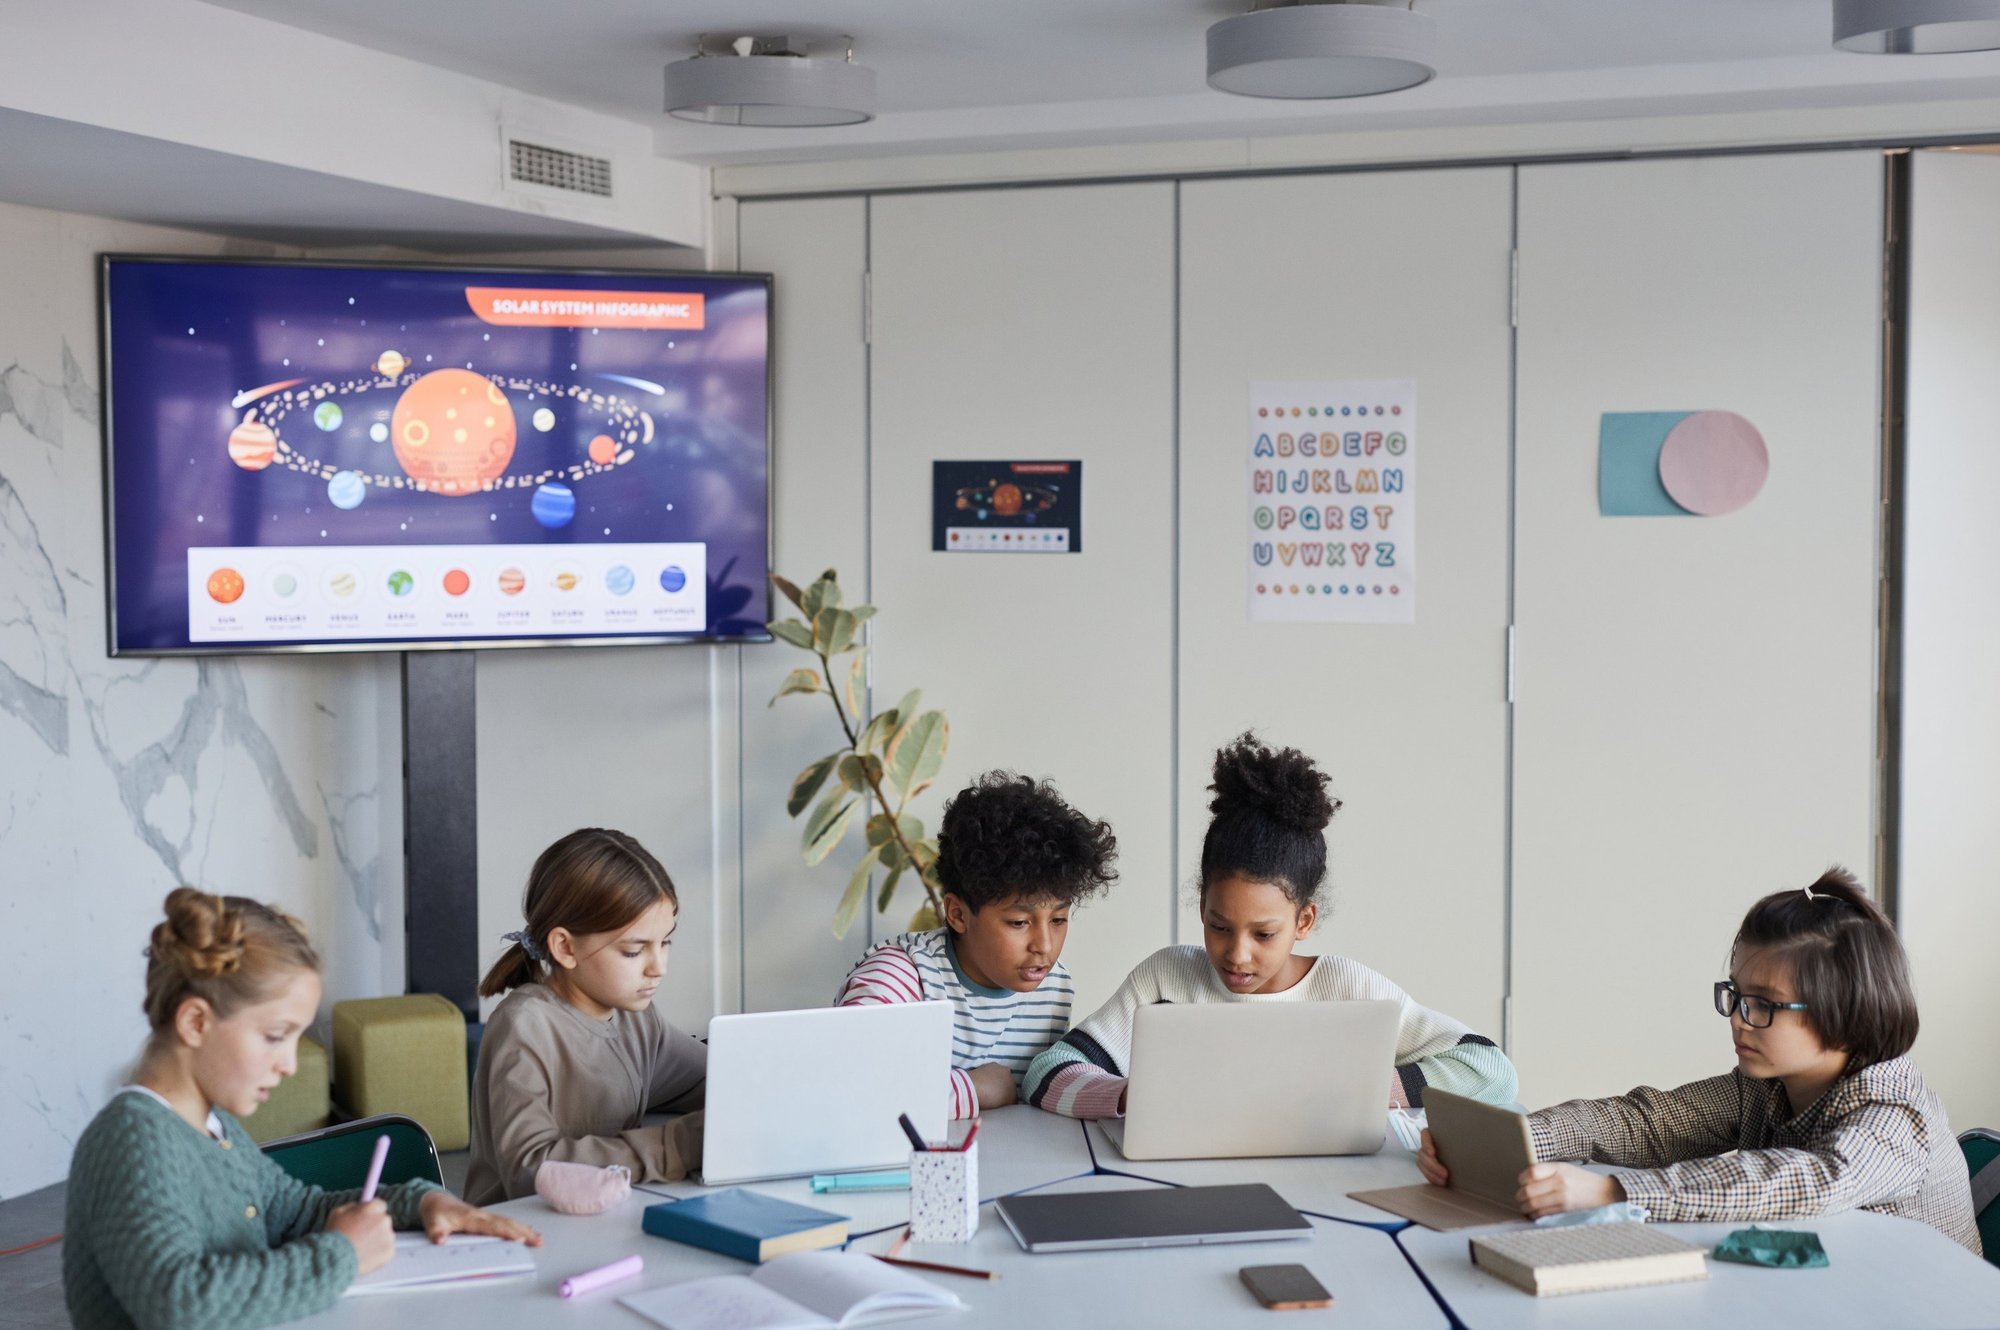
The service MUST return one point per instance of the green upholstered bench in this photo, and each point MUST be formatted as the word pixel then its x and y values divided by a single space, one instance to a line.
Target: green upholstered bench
pixel 403 1055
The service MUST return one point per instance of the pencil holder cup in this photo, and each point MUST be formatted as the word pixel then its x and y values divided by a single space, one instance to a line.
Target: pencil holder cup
pixel 944 1195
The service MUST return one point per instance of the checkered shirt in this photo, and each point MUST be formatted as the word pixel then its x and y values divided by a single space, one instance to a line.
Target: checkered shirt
pixel 1877 1140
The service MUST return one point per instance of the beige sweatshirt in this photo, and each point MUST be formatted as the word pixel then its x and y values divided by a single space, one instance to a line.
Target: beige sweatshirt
pixel 553 1083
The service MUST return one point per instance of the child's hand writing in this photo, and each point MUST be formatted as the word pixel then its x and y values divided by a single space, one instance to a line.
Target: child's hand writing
pixel 368 1228
pixel 444 1214
pixel 1429 1165
pixel 994 1084
pixel 1552 1189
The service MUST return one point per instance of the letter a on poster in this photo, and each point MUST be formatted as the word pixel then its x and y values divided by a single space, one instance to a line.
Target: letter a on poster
pixel 1332 479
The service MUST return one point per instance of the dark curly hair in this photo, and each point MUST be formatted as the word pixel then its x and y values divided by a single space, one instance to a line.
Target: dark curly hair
pixel 1006 836
pixel 1268 819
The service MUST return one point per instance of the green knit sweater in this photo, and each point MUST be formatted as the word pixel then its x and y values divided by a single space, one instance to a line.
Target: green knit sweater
pixel 171 1228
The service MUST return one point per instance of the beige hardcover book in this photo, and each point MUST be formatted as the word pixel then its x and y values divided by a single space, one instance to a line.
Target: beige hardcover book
pixel 1551 1261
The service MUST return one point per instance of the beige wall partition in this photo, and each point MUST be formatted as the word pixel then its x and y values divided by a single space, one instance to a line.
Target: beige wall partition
pixel 1379 276
pixel 1695 696
pixel 1036 324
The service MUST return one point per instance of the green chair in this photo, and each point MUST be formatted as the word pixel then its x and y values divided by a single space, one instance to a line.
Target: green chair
pixel 336 1158
pixel 1982 1160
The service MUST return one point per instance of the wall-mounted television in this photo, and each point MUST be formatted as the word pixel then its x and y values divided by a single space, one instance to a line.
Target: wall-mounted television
pixel 346 457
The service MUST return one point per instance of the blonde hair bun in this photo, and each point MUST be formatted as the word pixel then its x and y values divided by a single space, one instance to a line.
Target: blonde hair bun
pixel 226 950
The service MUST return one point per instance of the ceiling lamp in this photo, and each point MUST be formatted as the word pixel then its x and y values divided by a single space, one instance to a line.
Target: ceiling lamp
pixel 770 81
pixel 1916 27
pixel 1321 49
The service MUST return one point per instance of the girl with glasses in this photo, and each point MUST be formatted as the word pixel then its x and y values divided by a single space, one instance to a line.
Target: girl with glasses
pixel 1824 1111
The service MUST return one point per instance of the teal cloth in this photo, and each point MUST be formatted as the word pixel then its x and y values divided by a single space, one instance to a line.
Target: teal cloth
pixel 167 1230
pixel 1776 1248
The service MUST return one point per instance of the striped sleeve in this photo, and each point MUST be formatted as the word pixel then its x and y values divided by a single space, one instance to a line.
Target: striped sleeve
pixel 885 975
pixel 1076 1078
pixel 1433 1049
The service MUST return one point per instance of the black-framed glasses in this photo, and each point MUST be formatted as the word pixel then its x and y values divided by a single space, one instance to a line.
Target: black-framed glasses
pixel 1755 1011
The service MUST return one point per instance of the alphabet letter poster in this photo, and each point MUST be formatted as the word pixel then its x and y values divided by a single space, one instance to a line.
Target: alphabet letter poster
pixel 1333 501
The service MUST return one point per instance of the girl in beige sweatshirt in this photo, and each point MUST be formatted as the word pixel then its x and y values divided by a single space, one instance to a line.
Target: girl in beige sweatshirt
pixel 576 1056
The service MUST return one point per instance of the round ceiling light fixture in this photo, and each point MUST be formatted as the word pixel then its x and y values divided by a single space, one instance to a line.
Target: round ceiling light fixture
pixel 1318 49
pixel 1916 27
pixel 772 82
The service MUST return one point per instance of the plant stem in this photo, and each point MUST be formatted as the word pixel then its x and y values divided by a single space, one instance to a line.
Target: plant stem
pixel 875 785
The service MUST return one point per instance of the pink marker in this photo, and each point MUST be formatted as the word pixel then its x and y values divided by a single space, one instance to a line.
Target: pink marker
pixel 375 1168
pixel 592 1280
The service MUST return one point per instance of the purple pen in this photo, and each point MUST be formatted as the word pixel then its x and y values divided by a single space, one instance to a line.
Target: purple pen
pixel 375 1168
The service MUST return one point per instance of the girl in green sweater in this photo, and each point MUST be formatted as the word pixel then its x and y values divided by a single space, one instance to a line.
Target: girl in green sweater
pixel 176 1218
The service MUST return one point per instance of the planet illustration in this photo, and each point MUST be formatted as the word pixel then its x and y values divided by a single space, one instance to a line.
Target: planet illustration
pixel 672 578
pixel 327 416
pixel 253 444
pixel 225 586
pixel 390 364
pixel 545 419
pixel 512 581
pixel 346 490
pixel 619 580
pixel 285 584
pixel 341 584
pixel 401 583
pixel 457 582
pixel 603 450
pixel 379 431
pixel 565 581
pixel 453 432
pixel 1007 500
pixel 554 505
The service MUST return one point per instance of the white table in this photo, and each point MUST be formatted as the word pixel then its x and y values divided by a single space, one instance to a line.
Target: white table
pixel 1314 1186
pixel 1019 1147
pixel 1881 1271
pixel 1371 1282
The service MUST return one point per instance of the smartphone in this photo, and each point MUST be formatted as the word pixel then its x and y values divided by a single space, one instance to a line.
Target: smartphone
pixel 1285 1288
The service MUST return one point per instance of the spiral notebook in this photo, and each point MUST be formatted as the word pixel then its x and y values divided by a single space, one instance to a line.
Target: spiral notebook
pixel 816 1290
pixel 421 1263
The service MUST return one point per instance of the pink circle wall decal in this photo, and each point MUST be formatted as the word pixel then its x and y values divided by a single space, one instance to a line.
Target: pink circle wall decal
pixel 1713 462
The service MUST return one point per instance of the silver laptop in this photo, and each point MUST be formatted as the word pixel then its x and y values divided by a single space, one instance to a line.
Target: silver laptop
pixel 1320 1072
pixel 818 1091
pixel 1150 1217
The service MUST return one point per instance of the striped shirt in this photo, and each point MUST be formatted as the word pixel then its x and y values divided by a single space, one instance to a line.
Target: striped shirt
pixel 1083 1076
pixel 988 1024
pixel 1877 1139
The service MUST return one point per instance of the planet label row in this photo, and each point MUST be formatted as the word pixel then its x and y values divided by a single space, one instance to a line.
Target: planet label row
pixel 330 593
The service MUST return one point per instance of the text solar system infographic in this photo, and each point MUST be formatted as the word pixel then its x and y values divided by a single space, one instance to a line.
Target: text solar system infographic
pixel 378 458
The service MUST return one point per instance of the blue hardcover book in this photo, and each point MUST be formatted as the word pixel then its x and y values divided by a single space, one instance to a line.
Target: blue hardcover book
pixel 746 1225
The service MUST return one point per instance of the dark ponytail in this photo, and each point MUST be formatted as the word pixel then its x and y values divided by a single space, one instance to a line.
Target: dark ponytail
pixel 1268 820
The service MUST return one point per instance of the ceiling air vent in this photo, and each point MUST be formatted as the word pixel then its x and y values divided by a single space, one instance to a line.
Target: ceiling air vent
pixel 554 168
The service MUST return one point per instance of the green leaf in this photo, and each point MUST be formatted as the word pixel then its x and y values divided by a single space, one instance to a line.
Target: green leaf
pixel 799 681
pixel 917 752
pixel 925 852
pixel 857 890
pixel 888 888
pixel 833 630
pixel 791 630
pixel 906 710
pixel 863 613
pixel 806 784
pixel 822 594
pixel 877 732
pixel 893 856
pixel 854 682
pixel 925 919
pixel 828 823
pixel 789 590
pixel 858 771
pixel 879 833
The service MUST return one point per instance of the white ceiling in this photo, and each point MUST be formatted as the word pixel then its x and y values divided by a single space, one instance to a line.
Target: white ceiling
pixel 958 74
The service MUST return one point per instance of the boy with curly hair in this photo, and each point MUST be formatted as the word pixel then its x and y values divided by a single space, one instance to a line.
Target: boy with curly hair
pixel 1013 860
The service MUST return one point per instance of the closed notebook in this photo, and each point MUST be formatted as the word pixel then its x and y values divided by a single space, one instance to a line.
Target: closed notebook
pixel 746 1225
pixel 421 1263
pixel 1551 1261
pixel 805 1291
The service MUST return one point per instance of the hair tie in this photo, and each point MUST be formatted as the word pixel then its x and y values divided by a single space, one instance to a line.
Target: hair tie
pixel 528 944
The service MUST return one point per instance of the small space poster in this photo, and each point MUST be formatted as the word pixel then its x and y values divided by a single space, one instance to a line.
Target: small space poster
pixel 1333 501
pixel 1007 507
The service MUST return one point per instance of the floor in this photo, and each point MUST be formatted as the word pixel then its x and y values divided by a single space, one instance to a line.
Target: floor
pixel 31 1295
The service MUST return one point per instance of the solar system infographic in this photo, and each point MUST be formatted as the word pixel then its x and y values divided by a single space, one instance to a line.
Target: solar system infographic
pixel 364 458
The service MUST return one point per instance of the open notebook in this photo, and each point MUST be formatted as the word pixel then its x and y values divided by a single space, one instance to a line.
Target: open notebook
pixel 806 1291
pixel 419 1263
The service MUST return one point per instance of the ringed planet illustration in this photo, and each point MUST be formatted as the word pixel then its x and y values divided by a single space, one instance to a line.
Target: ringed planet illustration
pixel 390 364
pixel 565 581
